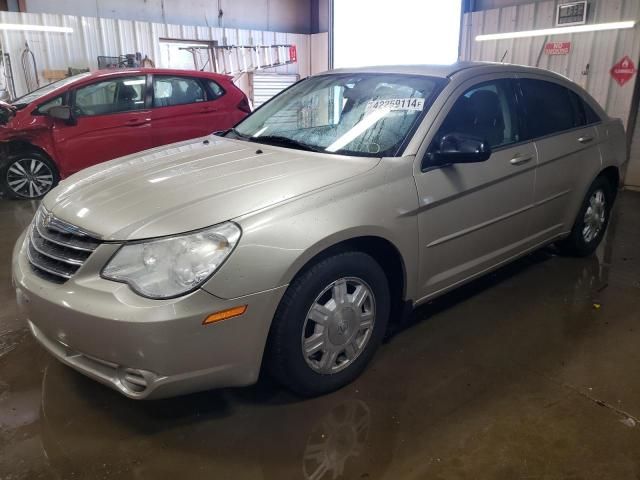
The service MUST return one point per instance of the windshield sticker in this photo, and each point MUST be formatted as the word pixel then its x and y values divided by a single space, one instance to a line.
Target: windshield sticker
pixel 406 104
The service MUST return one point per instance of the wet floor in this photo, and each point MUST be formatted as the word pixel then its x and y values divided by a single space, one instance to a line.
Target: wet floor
pixel 529 373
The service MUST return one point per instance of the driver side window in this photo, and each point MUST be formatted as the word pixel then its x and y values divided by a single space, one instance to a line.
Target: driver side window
pixel 121 94
pixel 485 112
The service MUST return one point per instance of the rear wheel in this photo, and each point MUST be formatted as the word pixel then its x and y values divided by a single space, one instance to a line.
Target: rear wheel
pixel 28 175
pixel 329 324
pixel 592 220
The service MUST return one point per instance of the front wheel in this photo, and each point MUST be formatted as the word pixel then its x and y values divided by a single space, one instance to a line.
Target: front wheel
pixel 592 220
pixel 329 324
pixel 28 175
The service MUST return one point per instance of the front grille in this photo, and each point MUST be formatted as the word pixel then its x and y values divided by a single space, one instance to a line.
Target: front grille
pixel 57 249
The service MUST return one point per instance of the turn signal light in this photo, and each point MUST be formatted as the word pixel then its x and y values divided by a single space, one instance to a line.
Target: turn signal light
pixel 225 314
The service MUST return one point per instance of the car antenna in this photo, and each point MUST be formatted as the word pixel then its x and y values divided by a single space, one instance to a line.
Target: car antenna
pixel 505 54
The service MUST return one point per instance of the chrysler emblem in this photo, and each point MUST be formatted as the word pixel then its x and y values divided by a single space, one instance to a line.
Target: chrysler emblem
pixel 46 220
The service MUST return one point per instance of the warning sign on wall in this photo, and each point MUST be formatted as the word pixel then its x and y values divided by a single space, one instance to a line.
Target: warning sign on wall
pixel 623 71
pixel 557 48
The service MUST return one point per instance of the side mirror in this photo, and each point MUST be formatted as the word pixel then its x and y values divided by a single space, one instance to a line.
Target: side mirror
pixel 61 112
pixel 460 148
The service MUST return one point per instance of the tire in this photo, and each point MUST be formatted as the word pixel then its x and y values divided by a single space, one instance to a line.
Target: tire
pixel 28 175
pixel 592 220
pixel 345 332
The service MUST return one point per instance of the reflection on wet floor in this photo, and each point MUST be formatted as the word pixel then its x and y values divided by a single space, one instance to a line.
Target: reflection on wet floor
pixel 531 372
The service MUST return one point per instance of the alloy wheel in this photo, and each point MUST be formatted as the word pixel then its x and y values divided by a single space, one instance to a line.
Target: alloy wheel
pixel 29 178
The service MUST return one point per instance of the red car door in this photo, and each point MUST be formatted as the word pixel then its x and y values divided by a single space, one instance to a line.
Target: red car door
pixel 186 107
pixel 111 119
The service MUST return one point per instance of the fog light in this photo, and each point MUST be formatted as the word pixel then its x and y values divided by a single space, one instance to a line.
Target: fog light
pixel 225 314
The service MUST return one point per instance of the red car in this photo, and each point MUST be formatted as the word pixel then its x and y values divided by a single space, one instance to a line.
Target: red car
pixel 89 118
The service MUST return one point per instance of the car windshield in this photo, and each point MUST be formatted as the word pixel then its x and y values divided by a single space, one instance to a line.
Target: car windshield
pixel 350 114
pixel 47 89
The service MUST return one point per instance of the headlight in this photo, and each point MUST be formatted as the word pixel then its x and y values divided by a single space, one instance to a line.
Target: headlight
pixel 170 267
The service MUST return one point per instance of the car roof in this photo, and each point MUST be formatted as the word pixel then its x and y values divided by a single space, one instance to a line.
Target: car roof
pixel 446 71
pixel 469 70
pixel 159 71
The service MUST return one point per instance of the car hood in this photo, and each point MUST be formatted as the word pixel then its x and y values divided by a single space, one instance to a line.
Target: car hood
pixel 190 185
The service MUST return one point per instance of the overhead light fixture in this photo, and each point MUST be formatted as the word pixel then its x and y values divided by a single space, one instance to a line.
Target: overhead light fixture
pixel 557 31
pixel 34 28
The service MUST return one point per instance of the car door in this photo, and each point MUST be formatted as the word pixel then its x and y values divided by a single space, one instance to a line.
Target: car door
pixel 110 120
pixel 568 152
pixel 477 215
pixel 183 108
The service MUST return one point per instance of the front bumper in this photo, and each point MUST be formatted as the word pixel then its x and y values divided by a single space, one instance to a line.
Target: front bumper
pixel 143 348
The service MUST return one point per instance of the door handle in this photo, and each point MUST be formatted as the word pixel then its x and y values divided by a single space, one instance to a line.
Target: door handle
pixel 521 159
pixel 585 139
pixel 134 122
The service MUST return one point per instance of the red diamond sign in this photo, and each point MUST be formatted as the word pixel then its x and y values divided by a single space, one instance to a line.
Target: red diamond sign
pixel 623 71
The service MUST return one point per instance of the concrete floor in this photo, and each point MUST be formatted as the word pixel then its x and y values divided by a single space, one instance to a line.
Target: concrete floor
pixel 532 372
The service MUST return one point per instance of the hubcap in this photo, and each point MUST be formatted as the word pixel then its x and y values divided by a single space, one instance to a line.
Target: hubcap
pixel 29 177
pixel 338 325
pixel 595 216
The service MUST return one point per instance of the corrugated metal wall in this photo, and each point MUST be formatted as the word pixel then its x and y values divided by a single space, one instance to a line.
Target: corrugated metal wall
pixel 599 50
pixel 92 37
pixel 266 85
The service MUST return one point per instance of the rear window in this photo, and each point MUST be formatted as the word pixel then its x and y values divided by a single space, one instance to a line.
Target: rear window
pixel 171 91
pixel 590 114
pixel 549 108
pixel 216 90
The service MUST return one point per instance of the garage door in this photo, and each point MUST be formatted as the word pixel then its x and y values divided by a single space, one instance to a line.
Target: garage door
pixel 266 85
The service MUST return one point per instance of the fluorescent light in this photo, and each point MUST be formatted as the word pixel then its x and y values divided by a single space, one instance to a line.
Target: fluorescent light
pixel 557 31
pixel 34 28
